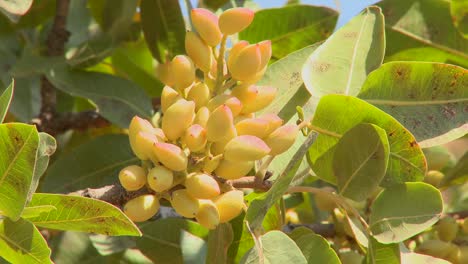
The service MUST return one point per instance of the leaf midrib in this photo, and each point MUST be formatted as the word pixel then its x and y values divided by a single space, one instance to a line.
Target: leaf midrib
pixel 20 247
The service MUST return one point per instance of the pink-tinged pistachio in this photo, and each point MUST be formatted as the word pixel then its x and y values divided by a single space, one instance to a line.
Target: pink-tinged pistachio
pixel 253 126
pixel 265 51
pixel 132 177
pixel 184 72
pixel 171 156
pixel 230 170
pixel 143 147
pixel 282 139
pixel 235 50
pixel 202 116
pixel 184 204
pixel 255 78
pixel 230 205
pixel 274 121
pixel 239 118
pixel 231 101
pixel 195 138
pixel 217 147
pixel 245 148
pixel 198 51
pixel 164 73
pixel 137 125
pixel 202 186
pixel 160 178
pixel 177 118
pixel 206 24
pixel 219 123
pixel 265 95
pixel 208 215
pixel 235 20
pixel 168 97
pixel 246 93
pixel 142 208
pixel 211 163
pixel 159 133
pixel 246 65
pixel 200 94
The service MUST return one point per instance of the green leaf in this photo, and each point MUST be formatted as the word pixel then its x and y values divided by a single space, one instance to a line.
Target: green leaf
pixel 290 27
pixel 5 100
pixel 275 247
pixel 118 100
pixel 342 63
pixel 75 213
pixel 259 207
pixel 402 211
pixel 285 75
pixel 337 114
pixel 117 17
pixel 134 61
pixel 47 147
pixel 161 241
pixel 214 4
pixel 108 245
pixel 430 99
pixel 360 161
pixel 18 149
pixel 164 28
pixel 458 174
pixel 219 241
pixel 315 248
pixel 21 242
pixel 36 211
pixel 379 253
pixel 92 164
pixel 410 257
pixel 358 231
pixel 460 15
pixel 422 30
pixel 193 248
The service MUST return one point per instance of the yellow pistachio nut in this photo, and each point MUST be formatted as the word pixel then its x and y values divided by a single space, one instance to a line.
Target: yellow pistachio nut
pixel 235 50
pixel 142 208
pixel 229 204
pixel 265 95
pixel 195 138
pixel 184 71
pixel 200 94
pixel 220 123
pixel 198 51
pixel 230 170
pixel 184 204
pixel 138 124
pixel 143 146
pixel 202 116
pixel 132 177
pixel 253 126
pixel 246 148
pixel 206 24
pixel 274 121
pixel 160 178
pixel 282 138
pixel 211 163
pixel 247 63
pixel 202 186
pixel 178 118
pixel 164 73
pixel 231 101
pixel 208 215
pixel 266 52
pixel 171 156
pixel 217 147
pixel 235 20
pixel 168 97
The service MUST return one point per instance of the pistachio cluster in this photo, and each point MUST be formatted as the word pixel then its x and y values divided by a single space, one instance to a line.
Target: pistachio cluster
pixel 209 132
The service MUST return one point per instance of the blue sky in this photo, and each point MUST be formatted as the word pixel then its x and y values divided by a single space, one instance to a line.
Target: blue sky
pixel 347 8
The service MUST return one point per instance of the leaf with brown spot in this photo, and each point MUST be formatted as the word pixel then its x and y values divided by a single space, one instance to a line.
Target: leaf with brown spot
pixel 429 100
